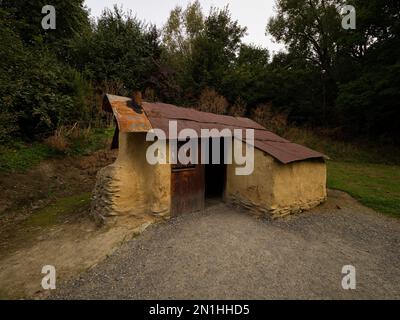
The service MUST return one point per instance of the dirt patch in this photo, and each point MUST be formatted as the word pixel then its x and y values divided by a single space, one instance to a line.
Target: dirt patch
pixel 71 248
pixel 44 220
pixel 22 193
pixel 55 192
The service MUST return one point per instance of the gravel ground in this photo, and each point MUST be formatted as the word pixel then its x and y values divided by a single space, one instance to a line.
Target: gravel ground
pixel 225 253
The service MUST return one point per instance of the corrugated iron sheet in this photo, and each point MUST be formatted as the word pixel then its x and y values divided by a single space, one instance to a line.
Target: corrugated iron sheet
pixel 129 117
pixel 158 115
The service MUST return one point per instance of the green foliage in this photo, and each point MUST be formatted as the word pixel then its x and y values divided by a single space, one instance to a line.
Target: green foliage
pixel 291 92
pixel 205 52
pixel 182 27
pixel 215 51
pixel 42 93
pixel 249 76
pixel 371 104
pixel 53 78
pixel 342 151
pixel 346 79
pixel 309 29
pixel 38 91
pixel 343 80
pixel 120 48
pixel 86 144
pixel 20 156
pixel 25 16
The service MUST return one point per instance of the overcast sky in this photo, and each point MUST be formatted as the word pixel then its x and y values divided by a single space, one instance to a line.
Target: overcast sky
pixel 253 14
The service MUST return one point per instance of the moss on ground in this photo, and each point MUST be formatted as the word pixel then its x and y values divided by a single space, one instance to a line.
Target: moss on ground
pixel 53 213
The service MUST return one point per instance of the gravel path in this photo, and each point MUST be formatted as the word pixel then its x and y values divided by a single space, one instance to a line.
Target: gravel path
pixel 225 253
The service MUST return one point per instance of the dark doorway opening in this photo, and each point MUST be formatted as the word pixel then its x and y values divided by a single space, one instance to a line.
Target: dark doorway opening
pixel 215 174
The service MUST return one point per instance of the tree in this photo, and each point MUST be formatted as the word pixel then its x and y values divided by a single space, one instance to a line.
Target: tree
pixel 344 78
pixel 182 27
pixel 215 51
pixel 311 31
pixel 26 15
pixel 249 77
pixel 38 90
pixel 120 48
pixel 368 100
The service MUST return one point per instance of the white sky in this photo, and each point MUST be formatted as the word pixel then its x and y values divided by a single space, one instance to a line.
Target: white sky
pixel 253 14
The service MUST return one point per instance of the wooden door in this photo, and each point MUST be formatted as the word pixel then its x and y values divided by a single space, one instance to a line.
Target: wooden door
pixel 187 189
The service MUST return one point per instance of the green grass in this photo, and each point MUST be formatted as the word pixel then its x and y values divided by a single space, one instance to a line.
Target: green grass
pixel 52 213
pixel 375 185
pixel 20 156
pixel 97 139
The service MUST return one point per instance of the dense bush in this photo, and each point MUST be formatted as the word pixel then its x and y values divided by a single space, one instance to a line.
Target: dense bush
pixel 38 93
pixel 211 101
pixel 346 81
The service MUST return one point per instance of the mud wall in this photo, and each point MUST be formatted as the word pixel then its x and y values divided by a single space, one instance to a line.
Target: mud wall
pixel 255 191
pixel 131 186
pixel 298 186
pixel 277 189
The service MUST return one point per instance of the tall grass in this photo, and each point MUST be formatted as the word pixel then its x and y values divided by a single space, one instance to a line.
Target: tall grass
pixel 75 140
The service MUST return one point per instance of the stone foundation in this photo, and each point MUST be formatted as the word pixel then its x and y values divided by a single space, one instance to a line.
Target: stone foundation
pixel 273 213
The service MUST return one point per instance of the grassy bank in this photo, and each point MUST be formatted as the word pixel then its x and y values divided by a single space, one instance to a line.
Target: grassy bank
pixel 20 156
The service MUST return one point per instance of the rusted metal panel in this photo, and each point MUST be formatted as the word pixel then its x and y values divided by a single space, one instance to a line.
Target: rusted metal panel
pixel 287 152
pixel 158 115
pixel 187 190
pixel 264 135
pixel 168 111
pixel 130 118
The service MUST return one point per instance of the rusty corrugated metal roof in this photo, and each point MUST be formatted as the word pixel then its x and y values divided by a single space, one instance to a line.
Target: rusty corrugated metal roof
pixel 158 115
pixel 129 117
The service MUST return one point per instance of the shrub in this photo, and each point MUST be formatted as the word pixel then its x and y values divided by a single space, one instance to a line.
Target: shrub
pixel 150 95
pixel 78 140
pixel 58 141
pixel 238 109
pixel 211 101
pixel 8 126
pixel 272 120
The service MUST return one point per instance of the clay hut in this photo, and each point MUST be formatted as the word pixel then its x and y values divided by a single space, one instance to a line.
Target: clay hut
pixel 287 178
